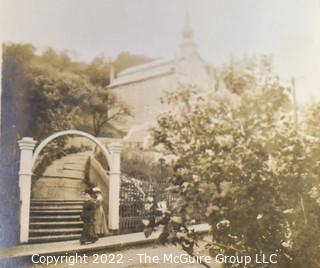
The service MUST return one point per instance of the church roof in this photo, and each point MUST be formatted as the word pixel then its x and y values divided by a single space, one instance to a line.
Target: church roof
pixel 143 72
pixel 158 67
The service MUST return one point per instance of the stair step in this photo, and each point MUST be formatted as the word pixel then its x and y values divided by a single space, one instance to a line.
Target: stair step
pixel 57 200
pixel 55 203
pixel 55 212
pixel 64 224
pixel 57 219
pixel 54 173
pixel 55 208
pixel 42 232
pixel 53 238
pixel 54 218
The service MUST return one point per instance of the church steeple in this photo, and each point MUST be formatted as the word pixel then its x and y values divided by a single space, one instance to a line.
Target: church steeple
pixel 188 46
pixel 187 30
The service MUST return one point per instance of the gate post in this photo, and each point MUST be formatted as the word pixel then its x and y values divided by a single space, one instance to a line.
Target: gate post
pixel 114 185
pixel 26 145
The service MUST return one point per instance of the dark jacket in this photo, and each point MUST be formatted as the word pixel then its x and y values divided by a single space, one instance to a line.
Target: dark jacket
pixel 88 217
pixel 88 211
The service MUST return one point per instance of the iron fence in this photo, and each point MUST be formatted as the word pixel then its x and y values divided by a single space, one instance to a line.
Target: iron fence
pixel 133 202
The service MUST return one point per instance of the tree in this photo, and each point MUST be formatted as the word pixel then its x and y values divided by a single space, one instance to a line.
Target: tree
pixel 313 119
pixel 100 110
pixel 54 100
pixel 55 92
pixel 240 162
pixel 126 59
pixel 98 71
pixel 45 92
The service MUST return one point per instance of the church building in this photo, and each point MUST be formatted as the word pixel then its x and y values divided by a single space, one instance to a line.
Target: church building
pixel 142 86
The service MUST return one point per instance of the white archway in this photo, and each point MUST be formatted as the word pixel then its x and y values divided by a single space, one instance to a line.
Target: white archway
pixel 46 141
pixel 27 161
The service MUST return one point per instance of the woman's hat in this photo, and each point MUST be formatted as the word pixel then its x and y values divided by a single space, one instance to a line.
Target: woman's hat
pixel 96 190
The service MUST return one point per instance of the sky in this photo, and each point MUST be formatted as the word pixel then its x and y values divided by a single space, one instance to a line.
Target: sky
pixel 287 29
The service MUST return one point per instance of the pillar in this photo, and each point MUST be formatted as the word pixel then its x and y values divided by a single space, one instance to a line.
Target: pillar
pixel 114 185
pixel 25 172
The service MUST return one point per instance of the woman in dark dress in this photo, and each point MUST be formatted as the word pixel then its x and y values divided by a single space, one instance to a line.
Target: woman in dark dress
pixel 88 234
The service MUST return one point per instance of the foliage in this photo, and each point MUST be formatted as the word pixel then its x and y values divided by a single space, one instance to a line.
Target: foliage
pixel 99 111
pixel 55 98
pixel 173 229
pixel 312 120
pixel 240 163
pixel 55 150
pixel 142 166
pixel 58 93
pixel 125 60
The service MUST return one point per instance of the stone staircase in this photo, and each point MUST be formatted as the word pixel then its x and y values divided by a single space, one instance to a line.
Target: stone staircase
pixel 64 179
pixel 55 220
pixel 57 199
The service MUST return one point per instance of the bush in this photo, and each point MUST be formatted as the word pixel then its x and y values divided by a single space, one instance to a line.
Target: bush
pixel 240 162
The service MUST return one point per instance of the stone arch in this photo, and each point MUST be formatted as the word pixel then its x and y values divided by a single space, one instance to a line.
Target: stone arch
pixel 46 141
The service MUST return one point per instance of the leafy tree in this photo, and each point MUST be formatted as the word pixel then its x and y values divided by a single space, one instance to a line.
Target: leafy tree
pixel 240 162
pixel 55 97
pixel 126 59
pixel 98 71
pixel 312 123
pixel 100 110
pixel 55 92
pixel 45 94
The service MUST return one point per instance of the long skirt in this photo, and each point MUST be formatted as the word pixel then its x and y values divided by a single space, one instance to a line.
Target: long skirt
pixel 88 233
pixel 100 223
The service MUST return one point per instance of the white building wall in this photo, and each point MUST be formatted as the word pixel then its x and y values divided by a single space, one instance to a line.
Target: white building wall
pixel 144 98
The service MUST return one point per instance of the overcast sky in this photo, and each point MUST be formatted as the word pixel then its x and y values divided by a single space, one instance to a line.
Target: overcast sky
pixel 288 29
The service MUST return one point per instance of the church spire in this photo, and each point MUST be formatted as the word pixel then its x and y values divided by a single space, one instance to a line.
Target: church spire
pixel 187 30
pixel 188 46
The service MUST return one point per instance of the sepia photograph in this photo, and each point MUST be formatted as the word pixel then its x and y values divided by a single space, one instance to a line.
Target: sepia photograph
pixel 164 133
